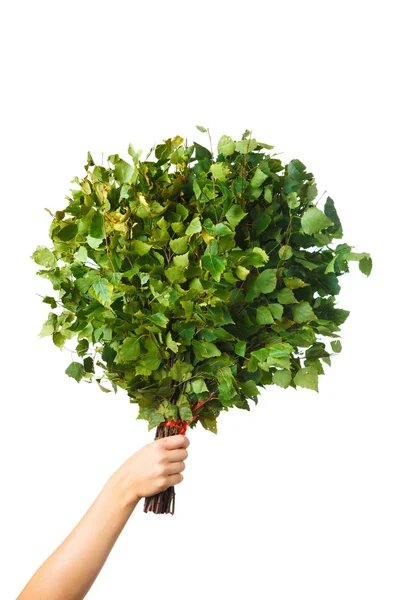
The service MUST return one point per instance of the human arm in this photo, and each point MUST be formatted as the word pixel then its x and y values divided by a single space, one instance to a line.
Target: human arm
pixel 70 571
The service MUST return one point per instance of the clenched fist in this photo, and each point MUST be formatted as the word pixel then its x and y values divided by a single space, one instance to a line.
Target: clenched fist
pixel 153 468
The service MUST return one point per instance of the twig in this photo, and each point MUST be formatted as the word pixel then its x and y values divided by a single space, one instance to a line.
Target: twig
pixel 212 175
pixel 105 235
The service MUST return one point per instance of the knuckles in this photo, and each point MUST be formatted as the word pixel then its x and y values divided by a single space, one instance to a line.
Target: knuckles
pixel 159 470
pixel 162 481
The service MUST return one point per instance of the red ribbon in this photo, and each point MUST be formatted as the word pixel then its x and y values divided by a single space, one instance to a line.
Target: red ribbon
pixel 180 424
pixel 183 425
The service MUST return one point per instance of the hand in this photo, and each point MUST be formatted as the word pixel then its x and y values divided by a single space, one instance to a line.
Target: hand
pixel 153 468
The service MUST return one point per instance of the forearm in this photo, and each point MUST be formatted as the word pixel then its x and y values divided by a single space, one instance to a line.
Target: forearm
pixel 70 571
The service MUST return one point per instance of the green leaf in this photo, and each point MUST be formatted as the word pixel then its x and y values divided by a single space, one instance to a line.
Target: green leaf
pixel 88 364
pixel 365 261
pixel 261 222
pixel 201 128
pixel 103 389
pixel 135 154
pixel 214 264
pixel 312 192
pixel 330 211
pixel 141 247
pixel 280 350
pixel 81 256
pixel 336 345
pixel 314 220
pixel 273 361
pixel 159 319
pixel 181 261
pixel 75 370
pixel 307 264
pixel 129 350
pixel 185 411
pixel 209 421
pixel 245 146
pixel 68 232
pixel 144 278
pixel 123 171
pixel 226 145
pixel 292 200
pixel 282 378
pixel 261 355
pixel 220 314
pixel 258 178
pixel 303 312
pixel 194 226
pixel 242 272
pixel 264 316
pixel 188 308
pixel 102 291
pixel 96 226
pixel 58 340
pixel 354 255
pixel 240 348
pixel 268 194
pixel 294 282
pixel 265 281
pixel 196 189
pixel 330 268
pixel 50 300
pixel 171 344
pixel 90 160
pixel 260 252
pixel 250 388
pixel 151 414
pixel 199 385
pixel 235 214
pixel 285 252
pixel 205 349
pixel 180 370
pixel 49 326
pixel 276 310
pixel 94 242
pixel 44 257
pixel 226 390
pixel 307 377
pixel 175 275
pixel 82 347
pixel 365 265
pixel 222 229
pixel 147 364
pixel 220 171
pixel 108 354
pixel 179 245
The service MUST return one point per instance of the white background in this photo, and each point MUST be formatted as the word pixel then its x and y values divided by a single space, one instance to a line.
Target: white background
pixel 298 498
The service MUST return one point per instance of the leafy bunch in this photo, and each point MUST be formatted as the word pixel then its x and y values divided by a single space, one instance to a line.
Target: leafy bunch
pixel 191 281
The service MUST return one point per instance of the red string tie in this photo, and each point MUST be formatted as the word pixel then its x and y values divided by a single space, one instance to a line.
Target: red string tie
pixel 181 425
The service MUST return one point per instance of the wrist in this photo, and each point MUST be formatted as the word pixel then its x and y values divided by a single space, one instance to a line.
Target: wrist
pixel 124 496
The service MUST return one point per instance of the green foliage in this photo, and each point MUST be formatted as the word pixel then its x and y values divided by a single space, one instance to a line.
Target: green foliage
pixel 191 280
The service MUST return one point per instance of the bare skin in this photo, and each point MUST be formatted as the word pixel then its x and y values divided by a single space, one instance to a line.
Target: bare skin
pixel 70 571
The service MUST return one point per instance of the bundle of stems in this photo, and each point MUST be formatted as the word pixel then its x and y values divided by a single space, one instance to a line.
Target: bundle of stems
pixel 164 502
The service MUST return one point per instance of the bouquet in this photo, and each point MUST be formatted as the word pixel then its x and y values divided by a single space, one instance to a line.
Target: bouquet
pixel 194 279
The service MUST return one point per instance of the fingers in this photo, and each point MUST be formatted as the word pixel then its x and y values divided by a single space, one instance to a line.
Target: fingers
pixel 175 467
pixel 176 455
pixel 174 441
pixel 175 479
